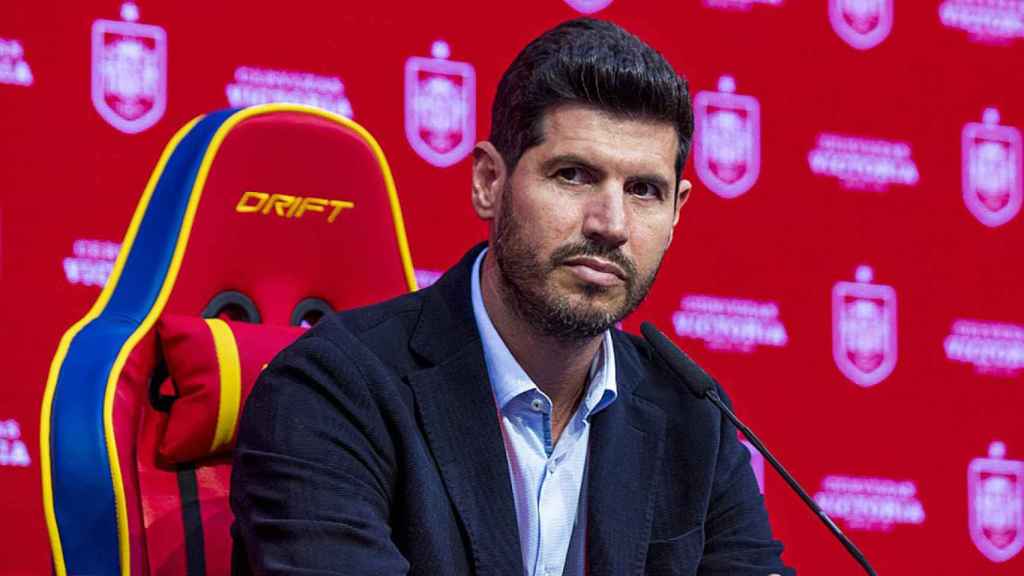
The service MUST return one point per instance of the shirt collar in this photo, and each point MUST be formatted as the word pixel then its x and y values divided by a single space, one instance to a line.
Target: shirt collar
pixel 509 380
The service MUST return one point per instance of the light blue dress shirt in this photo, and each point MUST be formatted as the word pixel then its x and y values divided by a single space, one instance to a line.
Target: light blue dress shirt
pixel 546 477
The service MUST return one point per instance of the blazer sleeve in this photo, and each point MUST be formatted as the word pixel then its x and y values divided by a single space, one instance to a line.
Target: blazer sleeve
pixel 738 537
pixel 311 485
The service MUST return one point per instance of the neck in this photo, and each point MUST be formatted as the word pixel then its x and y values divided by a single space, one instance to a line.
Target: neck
pixel 558 367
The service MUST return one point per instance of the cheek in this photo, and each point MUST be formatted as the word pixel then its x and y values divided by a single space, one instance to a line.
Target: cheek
pixel 650 242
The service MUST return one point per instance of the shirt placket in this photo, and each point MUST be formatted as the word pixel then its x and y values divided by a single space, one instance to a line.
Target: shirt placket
pixel 556 517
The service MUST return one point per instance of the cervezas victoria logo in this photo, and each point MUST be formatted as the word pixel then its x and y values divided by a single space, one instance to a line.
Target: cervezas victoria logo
pixel 129 71
pixel 91 262
pixel 993 348
pixel 252 86
pixel 440 106
pixel 13 451
pixel 871 164
pixel 870 503
pixel 995 502
pixel 864 329
pixel 727 132
pixel 985 21
pixel 739 5
pixel 992 167
pixel 730 324
pixel 862 24
pixel 14 67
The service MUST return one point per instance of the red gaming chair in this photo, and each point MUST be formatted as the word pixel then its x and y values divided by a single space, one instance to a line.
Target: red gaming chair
pixel 255 222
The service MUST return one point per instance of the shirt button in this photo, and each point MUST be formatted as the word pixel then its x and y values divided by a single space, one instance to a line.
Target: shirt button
pixel 537 405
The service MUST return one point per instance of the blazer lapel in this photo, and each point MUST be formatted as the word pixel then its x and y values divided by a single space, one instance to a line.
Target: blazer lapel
pixel 626 444
pixel 460 422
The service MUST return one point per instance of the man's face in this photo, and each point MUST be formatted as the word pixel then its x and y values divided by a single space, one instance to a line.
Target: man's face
pixel 585 219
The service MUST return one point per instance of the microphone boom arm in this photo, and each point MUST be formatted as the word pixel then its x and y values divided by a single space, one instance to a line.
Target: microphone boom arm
pixel 702 385
pixel 715 399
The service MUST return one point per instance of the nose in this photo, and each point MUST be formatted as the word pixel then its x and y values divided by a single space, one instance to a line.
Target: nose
pixel 605 218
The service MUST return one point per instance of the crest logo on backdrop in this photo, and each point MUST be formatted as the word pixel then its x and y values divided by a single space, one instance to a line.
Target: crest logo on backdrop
pixel 129 71
pixel 440 106
pixel 588 6
pixel 995 504
pixel 992 169
pixel 14 68
pixel 727 133
pixel 862 24
pixel 864 329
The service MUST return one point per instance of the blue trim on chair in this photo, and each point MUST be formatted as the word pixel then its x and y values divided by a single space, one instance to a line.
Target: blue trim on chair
pixel 83 494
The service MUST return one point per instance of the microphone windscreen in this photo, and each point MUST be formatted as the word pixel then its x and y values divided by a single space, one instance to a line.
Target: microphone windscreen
pixel 696 379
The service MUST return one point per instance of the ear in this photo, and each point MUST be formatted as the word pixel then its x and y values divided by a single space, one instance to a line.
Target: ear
pixel 681 197
pixel 489 176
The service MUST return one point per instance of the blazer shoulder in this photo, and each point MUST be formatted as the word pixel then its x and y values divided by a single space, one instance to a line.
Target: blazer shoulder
pixel 383 328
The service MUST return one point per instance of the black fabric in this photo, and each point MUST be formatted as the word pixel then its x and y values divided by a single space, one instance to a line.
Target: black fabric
pixel 191 520
pixel 372 446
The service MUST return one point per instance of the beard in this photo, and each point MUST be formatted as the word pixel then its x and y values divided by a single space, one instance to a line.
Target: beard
pixel 529 291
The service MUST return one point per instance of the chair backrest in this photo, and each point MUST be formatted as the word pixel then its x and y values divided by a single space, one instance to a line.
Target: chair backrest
pixel 271 214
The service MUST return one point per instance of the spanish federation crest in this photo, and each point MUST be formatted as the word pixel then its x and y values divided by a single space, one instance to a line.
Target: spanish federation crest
pixel 864 329
pixel 995 504
pixel 129 71
pixel 440 107
pixel 862 24
pixel 992 169
pixel 727 133
pixel 588 6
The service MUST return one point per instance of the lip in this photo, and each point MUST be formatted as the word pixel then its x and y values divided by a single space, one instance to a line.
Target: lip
pixel 597 270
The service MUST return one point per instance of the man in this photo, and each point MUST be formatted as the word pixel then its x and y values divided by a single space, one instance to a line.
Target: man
pixel 496 423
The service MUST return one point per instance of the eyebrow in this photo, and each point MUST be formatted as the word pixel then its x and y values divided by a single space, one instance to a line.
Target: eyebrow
pixel 655 179
pixel 550 163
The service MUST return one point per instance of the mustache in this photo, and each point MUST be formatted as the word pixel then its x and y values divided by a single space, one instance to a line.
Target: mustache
pixel 588 248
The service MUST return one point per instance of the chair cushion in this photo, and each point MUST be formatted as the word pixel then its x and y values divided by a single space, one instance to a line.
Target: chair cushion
pixel 213 365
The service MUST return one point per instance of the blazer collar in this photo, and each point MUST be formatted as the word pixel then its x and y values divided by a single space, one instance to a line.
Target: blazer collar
pixel 460 421
pixel 626 447
pixel 446 323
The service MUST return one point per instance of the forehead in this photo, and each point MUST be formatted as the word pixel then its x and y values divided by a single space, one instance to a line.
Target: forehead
pixel 614 140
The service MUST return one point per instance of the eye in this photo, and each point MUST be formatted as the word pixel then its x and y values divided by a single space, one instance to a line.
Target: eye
pixel 644 190
pixel 573 174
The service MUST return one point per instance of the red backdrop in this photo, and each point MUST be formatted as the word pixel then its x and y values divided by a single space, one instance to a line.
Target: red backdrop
pixel 848 266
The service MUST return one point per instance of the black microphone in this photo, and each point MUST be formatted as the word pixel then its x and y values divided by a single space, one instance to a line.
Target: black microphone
pixel 702 385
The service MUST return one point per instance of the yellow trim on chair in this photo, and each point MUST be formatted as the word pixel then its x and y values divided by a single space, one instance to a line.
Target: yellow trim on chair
pixel 170 278
pixel 65 342
pixel 229 371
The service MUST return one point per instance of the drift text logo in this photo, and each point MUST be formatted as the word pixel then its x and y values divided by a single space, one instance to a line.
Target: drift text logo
pixel 287 206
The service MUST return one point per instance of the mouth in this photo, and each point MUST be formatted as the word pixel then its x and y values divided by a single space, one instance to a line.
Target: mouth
pixel 596 271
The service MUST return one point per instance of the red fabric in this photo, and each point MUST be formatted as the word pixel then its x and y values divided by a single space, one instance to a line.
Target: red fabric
pixel 191 358
pixel 129 408
pixel 163 536
pixel 278 261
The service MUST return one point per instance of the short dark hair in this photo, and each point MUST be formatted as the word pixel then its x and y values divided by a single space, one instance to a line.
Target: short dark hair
pixel 593 62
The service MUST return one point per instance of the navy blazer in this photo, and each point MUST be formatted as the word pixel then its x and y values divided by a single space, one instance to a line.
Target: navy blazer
pixel 372 446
